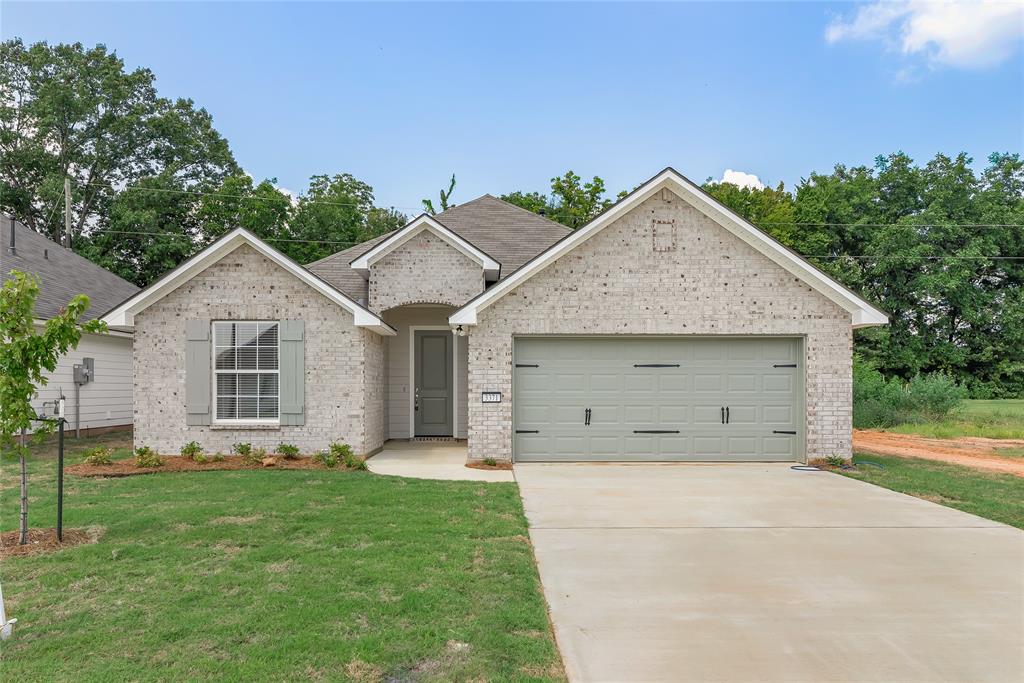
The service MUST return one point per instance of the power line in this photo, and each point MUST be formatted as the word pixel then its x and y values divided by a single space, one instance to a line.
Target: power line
pixel 171 235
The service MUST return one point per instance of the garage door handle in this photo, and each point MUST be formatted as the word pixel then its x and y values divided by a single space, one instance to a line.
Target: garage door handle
pixel 586 417
pixel 527 431
pixel 784 365
pixel 527 365
pixel 655 365
pixel 776 431
pixel 723 414
pixel 727 415
pixel 655 431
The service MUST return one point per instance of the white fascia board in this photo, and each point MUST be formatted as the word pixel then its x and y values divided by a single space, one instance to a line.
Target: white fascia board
pixel 862 313
pixel 123 316
pixel 419 224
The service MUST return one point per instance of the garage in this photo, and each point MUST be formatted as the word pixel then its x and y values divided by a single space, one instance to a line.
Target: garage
pixel 649 399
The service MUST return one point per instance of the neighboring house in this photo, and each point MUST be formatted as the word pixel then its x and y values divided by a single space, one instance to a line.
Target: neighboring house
pixel 668 328
pixel 106 400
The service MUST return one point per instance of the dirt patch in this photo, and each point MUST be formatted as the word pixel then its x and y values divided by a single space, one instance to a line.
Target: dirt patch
pixel 480 465
pixel 973 451
pixel 44 541
pixel 177 463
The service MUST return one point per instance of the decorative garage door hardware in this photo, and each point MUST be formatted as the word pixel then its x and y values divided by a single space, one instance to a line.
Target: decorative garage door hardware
pixel 586 417
pixel 655 365
pixel 655 431
pixel 527 365
pixel 776 431
pixel 527 431
pixel 725 415
pixel 784 365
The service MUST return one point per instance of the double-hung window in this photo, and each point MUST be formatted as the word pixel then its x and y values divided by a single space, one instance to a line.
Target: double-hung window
pixel 245 368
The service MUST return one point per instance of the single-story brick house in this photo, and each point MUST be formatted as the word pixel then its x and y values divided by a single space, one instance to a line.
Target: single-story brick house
pixel 667 328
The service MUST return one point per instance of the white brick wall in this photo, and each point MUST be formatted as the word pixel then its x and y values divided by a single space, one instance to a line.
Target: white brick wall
pixel 710 283
pixel 424 270
pixel 344 382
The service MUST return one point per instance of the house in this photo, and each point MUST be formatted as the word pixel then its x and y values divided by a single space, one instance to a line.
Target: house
pixel 667 328
pixel 105 401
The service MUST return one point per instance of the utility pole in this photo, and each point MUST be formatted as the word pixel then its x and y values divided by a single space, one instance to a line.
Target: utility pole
pixel 67 212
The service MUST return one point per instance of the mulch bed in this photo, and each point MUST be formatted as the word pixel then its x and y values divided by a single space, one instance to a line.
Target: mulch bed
pixel 177 463
pixel 477 465
pixel 44 541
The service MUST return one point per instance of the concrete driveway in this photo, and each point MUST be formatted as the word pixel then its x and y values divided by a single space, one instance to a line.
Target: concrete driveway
pixel 763 573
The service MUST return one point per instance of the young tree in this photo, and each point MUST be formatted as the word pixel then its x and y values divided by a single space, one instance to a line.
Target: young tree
pixel 443 197
pixel 24 354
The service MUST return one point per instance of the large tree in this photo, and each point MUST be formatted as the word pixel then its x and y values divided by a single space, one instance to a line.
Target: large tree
pixel 76 113
pixel 572 202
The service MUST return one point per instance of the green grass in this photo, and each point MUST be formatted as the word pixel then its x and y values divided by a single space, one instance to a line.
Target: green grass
pixel 275 575
pixel 995 419
pixel 999 497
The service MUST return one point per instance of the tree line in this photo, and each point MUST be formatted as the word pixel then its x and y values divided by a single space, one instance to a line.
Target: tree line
pixel 938 246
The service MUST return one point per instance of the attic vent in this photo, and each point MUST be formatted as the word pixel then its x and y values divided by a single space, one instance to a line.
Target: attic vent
pixel 663 231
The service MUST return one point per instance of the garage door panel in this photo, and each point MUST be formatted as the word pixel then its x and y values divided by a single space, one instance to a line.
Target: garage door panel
pixel 681 388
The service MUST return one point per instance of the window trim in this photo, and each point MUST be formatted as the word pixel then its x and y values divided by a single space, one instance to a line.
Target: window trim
pixel 235 421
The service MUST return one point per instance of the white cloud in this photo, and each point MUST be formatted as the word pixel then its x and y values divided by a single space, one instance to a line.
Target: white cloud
pixel 742 179
pixel 960 33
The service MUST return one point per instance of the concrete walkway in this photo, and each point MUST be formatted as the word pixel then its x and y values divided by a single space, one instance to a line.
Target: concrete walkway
pixel 762 573
pixel 430 460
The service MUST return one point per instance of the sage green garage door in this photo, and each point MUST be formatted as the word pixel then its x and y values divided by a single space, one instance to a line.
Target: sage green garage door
pixel 658 399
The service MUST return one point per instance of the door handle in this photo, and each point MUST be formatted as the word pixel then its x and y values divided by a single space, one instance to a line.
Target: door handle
pixel 723 414
pixel 586 417
pixel 416 399
pixel 727 415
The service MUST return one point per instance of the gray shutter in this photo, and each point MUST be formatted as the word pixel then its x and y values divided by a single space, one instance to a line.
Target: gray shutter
pixel 197 372
pixel 292 371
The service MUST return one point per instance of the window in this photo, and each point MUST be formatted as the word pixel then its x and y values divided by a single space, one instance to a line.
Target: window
pixel 245 368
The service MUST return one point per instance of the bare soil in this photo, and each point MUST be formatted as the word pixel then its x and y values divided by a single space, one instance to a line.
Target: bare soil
pixel 44 541
pixel 484 466
pixel 970 451
pixel 177 463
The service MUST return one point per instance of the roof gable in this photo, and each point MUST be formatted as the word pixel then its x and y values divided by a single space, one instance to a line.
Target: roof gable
pixel 863 314
pixel 425 223
pixel 123 314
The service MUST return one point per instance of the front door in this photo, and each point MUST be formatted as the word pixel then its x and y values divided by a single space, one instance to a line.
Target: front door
pixel 432 400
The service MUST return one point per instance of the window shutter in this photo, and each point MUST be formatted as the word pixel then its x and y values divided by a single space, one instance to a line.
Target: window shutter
pixel 292 373
pixel 197 372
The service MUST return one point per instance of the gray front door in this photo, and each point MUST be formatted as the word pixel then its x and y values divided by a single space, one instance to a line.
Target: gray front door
pixel 658 398
pixel 432 400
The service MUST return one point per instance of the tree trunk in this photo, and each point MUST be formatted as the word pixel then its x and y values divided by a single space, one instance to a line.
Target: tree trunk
pixel 24 500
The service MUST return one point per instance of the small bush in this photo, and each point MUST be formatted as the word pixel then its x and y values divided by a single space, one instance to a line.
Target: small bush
pixel 200 458
pixel 191 450
pixel 254 456
pixel 147 457
pixel 344 454
pixel 287 450
pixel 99 456
pixel 242 448
pixel 835 461
pixel 217 457
pixel 490 462
pixel 880 402
pixel 326 457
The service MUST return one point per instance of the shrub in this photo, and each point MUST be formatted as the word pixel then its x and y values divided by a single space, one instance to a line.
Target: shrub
pixel 98 456
pixel 200 458
pixel 835 461
pixel 242 448
pixel 884 402
pixel 344 454
pixel 147 457
pixel 287 450
pixel 490 462
pixel 217 457
pixel 326 457
pixel 253 456
pixel 191 450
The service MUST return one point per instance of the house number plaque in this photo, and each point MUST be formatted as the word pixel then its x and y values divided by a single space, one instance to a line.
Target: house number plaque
pixel 490 397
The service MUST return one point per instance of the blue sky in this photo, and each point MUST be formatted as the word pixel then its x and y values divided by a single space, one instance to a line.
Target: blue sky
pixel 508 95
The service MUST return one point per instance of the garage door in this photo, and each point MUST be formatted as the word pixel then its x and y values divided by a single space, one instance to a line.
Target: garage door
pixel 657 399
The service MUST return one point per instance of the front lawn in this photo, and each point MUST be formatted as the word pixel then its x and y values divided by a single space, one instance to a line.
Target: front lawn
pixel 999 497
pixel 275 575
pixel 995 419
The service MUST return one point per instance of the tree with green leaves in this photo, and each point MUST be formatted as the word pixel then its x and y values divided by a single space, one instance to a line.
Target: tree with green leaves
pixel 571 203
pixel 26 353
pixel 76 113
pixel 444 196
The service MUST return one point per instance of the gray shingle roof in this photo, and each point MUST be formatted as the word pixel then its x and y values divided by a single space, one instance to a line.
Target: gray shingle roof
pixel 62 273
pixel 506 232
